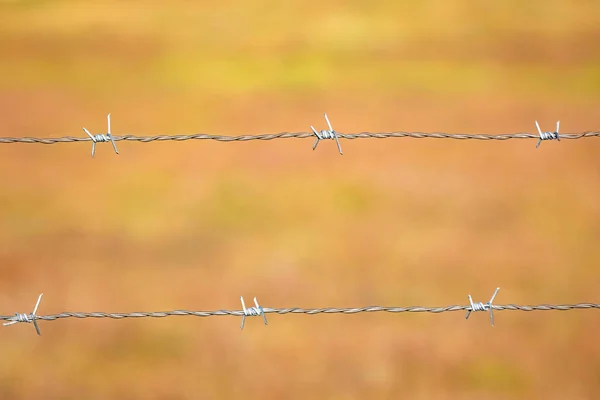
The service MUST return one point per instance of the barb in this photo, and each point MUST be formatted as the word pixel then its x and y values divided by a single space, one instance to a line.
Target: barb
pixel 298 135
pixel 252 311
pixel 327 134
pixel 101 138
pixel 27 318
pixel 547 135
pixel 314 311
pixel 483 307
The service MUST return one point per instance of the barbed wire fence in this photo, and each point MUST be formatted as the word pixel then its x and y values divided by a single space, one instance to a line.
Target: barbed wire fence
pixel 258 310
pixel 318 135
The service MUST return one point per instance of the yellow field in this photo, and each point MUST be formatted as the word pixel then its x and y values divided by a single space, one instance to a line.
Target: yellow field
pixel 395 222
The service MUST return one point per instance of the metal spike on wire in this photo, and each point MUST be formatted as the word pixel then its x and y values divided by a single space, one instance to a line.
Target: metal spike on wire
pixel 252 311
pixel 259 310
pixel 483 307
pixel 102 138
pixel 327 134
pixel 27 318
pixel 547 135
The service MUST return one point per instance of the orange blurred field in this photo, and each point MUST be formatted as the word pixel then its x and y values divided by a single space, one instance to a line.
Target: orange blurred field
pixel 395 222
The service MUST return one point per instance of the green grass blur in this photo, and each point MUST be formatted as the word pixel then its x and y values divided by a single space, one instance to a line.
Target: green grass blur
pixel 196 224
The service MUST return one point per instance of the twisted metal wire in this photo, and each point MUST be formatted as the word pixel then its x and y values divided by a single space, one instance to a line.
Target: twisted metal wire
pixel 298 135
pixel 314 311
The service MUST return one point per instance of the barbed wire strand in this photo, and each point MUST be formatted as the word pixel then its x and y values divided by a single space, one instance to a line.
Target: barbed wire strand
pixel 314 311
pixel 260 311
pixel 310 311
pixel 298 135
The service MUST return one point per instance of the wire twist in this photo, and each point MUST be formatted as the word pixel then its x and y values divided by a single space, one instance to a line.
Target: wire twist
pixel 101 138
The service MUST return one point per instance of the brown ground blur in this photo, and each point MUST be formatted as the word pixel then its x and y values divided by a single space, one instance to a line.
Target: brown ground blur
pixel 194 225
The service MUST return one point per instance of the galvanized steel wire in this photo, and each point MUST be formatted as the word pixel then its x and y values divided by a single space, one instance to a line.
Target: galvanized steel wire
pixel 313 311
pixel 298 135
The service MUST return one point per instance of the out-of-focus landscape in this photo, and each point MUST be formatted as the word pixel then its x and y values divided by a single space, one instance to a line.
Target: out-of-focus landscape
pixel 394 222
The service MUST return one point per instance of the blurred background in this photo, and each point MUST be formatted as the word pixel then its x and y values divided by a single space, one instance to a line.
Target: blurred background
pixel 394 222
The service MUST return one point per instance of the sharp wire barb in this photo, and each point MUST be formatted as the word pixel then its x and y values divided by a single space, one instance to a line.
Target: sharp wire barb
pixel 547 135
pixel 483 307
pixel 326 134
pixel 101 138
pixel 27 318
pixel 252 311
pixel 111 137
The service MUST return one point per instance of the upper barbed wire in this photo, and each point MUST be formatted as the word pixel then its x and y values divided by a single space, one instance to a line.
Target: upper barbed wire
pixel 319 135
pixel 299 135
